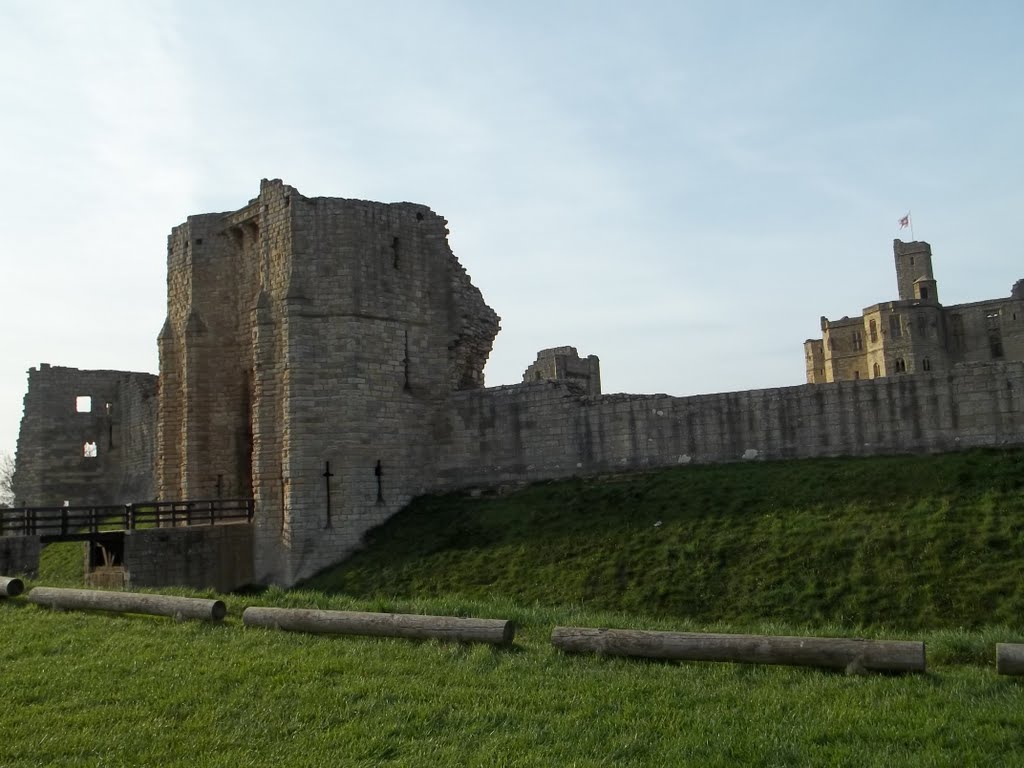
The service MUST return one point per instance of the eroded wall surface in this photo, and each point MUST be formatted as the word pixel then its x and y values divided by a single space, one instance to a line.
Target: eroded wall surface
pixel 309 349
pixel 217 557
pixel 86 437
pixel 544 430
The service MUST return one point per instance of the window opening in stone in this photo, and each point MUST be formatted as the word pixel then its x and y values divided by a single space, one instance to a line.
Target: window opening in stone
pixel 858 340
pixel 67 503
pixel 877 371
pixel 874 331
pixel 926 364
pixel 83 404
pixel 419 217
pixel 109 407
pixel 394 252
pixel 911 261
pixel 957 328
pixel 89 450
pixel 895 327
pixel 995 334
pixel 924 291
pixel 901 366
pixel 856 374
pixel 199 241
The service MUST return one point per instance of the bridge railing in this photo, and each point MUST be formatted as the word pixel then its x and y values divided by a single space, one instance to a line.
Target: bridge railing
pixel 80 521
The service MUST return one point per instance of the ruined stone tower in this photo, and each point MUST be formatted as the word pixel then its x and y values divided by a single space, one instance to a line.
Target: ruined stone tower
pixel 309 350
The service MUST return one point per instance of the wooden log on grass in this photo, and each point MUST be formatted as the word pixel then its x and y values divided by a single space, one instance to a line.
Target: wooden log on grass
pixel 129 602
pixel 11 586
pixel 834 653
pixel 409 626
pixel 1010 658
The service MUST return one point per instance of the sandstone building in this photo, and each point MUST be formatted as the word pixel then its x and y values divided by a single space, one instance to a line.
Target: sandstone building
pixel 324 357
pixel 916 333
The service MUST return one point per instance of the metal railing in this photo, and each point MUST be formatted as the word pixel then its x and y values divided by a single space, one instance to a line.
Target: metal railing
pixel 81 522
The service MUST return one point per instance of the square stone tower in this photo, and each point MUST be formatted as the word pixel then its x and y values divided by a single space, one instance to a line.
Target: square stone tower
pixel 309 350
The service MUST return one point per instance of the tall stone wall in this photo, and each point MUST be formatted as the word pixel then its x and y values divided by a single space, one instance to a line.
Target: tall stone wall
pixel 544 430
pixel 87 437
pixel 309 347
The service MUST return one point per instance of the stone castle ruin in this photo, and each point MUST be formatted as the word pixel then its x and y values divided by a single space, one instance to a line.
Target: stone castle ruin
pixel 324 357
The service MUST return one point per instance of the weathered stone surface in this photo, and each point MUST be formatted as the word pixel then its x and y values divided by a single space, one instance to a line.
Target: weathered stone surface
pixel 86 437
pixel 215 557
pixel 307 333
pixel 19 555
pixel 564 364
pixel 546 430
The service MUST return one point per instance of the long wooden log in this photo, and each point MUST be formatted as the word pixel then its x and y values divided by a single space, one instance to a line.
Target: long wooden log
pixel 835 653
pixel 129 602
pixel 11 586
pixel 1010 658
pixel 410 626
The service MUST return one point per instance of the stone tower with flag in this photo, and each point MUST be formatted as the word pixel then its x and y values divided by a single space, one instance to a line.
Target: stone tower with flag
pixel 915 332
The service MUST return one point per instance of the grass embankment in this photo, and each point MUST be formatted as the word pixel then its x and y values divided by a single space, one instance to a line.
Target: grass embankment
pixel 96 690
pixel 901 548
pixel 900 542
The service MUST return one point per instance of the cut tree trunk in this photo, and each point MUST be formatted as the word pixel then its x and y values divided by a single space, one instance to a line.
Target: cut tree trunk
pixel 1010 658
pixel 410 626
pixel 11 586
pixel 834 653
pixel 129 602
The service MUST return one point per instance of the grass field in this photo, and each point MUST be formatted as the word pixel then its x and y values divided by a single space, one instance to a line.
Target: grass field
pixel 790 548
pixel 904 542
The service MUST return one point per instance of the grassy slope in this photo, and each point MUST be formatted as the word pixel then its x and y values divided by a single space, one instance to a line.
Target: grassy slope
pixel 96 690
pixel 892 544
pixel 906 542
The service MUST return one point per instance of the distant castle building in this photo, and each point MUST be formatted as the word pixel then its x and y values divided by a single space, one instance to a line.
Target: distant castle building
pixel 916 333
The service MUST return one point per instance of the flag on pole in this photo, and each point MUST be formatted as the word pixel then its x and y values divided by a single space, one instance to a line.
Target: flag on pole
pixel 905 221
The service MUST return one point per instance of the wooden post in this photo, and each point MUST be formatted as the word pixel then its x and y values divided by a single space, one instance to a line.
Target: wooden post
pixel 129 602
pixel 413 627
pixel 835 653
pixel 1010 658
pixel 11 586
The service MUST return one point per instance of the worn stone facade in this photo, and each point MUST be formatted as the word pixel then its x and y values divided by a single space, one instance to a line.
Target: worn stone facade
pixel 217 557
pixel 565 364
pixel 309 349
pixel 915 332
pixel 325 357
pixel 546 430
pixel 86 437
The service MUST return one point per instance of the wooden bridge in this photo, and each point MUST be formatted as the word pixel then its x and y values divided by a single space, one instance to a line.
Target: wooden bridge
pixel 95 523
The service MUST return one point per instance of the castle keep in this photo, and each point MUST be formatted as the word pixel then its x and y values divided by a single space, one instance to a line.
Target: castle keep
pixel 309 350
pixel 324 357
pixel 916 333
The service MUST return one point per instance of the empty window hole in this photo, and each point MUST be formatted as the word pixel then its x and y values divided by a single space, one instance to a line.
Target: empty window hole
pixel 89 450
pixel 83 404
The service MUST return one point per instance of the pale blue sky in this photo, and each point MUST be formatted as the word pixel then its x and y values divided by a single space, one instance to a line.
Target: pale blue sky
pixel 680 188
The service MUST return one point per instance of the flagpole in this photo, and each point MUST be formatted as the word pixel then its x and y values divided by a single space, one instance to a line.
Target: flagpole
pixel 911 220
